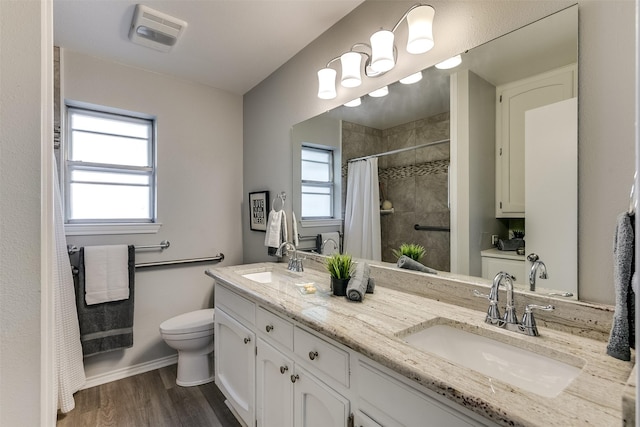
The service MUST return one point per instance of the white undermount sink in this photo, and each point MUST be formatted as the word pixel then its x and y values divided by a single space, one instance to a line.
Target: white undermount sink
pixel 260 276
pixel 513 365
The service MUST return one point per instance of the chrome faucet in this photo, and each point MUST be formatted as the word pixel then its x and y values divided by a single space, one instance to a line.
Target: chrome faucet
pixel 295 263
pixel 493 314
pixel 335 244
pixel 510 321
pixel 537 265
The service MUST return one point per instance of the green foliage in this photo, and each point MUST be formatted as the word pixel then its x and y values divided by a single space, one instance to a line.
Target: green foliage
pixel 340 266
pixel 412 250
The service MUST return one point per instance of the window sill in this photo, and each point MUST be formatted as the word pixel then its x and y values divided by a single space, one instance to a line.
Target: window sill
pixel 320 222
pixel 124 228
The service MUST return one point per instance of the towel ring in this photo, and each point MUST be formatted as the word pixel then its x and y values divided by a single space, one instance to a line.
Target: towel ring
pixel 282 197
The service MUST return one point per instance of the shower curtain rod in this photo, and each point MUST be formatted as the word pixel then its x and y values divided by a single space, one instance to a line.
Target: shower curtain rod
pixel 399 150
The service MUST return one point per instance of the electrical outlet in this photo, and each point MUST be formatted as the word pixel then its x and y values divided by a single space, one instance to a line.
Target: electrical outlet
pixel 494 239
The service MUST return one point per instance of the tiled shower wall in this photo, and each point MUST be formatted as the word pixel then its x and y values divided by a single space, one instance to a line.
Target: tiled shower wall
pixel 415 182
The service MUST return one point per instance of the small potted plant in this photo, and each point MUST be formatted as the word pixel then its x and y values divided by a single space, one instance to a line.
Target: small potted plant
pixel 412 250
pixel 340 267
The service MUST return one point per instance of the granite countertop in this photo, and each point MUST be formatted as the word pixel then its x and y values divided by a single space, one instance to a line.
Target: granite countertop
pixel 375 326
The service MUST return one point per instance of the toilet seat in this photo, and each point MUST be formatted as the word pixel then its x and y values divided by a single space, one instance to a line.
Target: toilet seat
pixel 187 323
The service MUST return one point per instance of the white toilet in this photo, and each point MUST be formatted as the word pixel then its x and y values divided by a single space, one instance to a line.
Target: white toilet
pixel 192 335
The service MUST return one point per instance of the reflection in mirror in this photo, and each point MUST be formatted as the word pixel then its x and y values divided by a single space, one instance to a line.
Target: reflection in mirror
pixel 458 199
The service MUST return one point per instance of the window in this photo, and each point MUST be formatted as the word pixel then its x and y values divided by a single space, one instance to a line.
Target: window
pixel 317 183
pixel 110 168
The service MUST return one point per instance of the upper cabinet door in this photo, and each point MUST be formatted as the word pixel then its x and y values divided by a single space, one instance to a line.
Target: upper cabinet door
pixel 552 193
pixel 513 101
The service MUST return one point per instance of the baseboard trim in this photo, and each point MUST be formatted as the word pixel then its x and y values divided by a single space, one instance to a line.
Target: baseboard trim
pixel 129 371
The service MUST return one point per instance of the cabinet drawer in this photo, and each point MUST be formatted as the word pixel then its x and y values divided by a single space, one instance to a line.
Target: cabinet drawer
pixel 390 402
pixel 326 358
pixel 235 304
pixel 274 327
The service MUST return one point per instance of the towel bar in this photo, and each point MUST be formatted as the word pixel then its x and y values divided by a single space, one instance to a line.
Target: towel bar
pixel 430 228
pixel 217 258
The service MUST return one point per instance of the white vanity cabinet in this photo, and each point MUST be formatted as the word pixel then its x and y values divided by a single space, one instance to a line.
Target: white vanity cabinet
pixel 289 395
pixel 513 100
pixel 278 373
pixel 495 261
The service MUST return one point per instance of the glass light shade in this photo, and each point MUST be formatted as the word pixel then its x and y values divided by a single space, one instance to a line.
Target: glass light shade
pixel 382 51
pixel 378 93
pixel 413 78
pixel 353 103
pixel 327 83
pixel 450 63
pixel 420 21
pixel 351 62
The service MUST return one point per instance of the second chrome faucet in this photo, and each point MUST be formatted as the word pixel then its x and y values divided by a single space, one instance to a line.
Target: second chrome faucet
pixel 510 321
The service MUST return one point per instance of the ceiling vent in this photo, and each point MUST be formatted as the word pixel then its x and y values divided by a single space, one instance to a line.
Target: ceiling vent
pixel 154 29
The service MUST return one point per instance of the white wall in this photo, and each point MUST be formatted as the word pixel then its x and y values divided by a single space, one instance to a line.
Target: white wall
pixel 472 172
pixel 199 140
pixel 606 74
pixel 20 118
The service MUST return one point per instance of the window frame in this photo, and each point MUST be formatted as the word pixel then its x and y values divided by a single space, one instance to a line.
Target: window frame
pixel 330 184
pixel 110 225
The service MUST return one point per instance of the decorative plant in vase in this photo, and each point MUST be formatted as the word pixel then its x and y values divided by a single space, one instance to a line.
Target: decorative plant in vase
pixel 411 250
pixel 340 267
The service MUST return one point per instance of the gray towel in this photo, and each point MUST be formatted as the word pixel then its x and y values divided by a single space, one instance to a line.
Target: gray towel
pixel 107 326
pixel 357 286
pixel 371 285
pixel 411 264
pixel 622 336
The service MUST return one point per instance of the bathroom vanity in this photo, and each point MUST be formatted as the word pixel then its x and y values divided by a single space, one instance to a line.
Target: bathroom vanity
pixel 285 356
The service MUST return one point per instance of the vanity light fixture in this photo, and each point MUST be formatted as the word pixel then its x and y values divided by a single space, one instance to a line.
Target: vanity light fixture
pixel 381 54
pixel 412 78
pixel 450 63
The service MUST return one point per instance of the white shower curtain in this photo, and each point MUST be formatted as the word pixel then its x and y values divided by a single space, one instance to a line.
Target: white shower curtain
pixel 68 352
pixel 362 211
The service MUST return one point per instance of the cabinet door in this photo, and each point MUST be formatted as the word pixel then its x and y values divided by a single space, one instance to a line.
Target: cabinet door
pixel 235 364
pixel 274 389
pixel 514 100
pixel 552 195
pixel 316 404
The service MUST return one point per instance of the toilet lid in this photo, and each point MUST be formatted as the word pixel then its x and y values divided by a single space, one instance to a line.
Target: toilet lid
pixel 195 321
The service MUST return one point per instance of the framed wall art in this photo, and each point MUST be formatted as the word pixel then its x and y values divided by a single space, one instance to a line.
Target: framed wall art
pixel 258 210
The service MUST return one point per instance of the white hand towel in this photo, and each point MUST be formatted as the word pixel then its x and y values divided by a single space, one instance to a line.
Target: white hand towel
pixel 106 273
pixel 294 229
pixel 274 232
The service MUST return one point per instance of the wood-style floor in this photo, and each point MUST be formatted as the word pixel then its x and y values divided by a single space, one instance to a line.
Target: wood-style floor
pixel 151 399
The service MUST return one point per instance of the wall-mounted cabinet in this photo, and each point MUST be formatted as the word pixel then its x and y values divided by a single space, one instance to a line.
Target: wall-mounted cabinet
pixel 512 101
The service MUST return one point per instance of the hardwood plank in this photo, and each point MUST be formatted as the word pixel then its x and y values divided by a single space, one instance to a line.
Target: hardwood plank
pixel 168 375
pixel 151 399
pixel 192 408
pixel 216 400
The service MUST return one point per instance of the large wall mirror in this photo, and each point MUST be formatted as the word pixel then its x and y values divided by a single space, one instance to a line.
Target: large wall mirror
pixel 507 168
